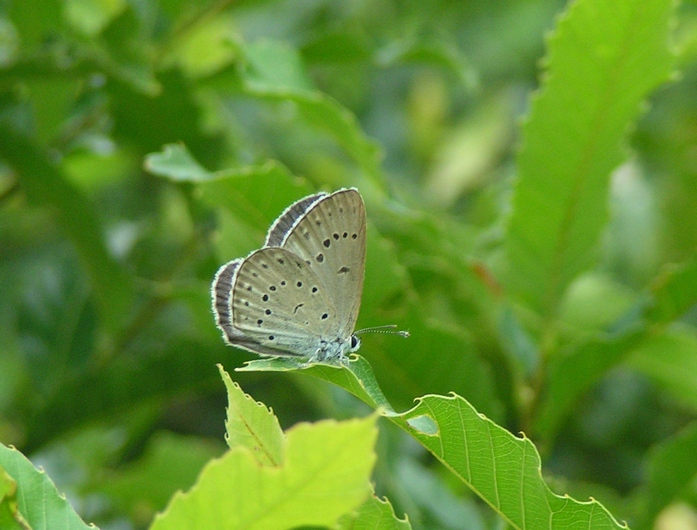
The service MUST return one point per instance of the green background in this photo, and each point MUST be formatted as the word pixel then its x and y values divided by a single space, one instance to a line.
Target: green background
pixel 536 238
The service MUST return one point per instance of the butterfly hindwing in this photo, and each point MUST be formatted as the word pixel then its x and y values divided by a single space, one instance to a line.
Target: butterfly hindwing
pixel 279 303
pixel 222 308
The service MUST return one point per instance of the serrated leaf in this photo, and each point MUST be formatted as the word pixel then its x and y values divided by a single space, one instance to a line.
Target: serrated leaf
pixel 38 501
pixel 604 59
pixel 325 474
pixel 250 424
pixel 375 513
pixel 502 469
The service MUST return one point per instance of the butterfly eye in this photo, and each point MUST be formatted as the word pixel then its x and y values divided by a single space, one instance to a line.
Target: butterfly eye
pixel 355 343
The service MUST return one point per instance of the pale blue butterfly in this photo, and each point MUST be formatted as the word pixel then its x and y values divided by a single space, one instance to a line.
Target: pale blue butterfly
pixel 300 294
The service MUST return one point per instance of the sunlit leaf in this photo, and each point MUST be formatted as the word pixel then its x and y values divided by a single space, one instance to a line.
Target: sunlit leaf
pixel 374 513
pixel 325 474
pixel 252 425
pixel 502 469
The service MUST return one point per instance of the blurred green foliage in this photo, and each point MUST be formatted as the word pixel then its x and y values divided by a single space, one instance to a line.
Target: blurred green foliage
pixel 548 276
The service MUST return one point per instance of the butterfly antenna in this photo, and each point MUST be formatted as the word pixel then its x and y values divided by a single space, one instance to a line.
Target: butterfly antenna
pixel 383 329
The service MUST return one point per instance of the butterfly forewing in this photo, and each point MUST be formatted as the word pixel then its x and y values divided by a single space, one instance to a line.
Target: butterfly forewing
pixel 285 222
pixel 331 236
pixel 278 302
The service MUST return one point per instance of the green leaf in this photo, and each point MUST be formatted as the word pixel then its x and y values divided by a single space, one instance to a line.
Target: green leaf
pixel 255 195
pixel 37 21
pixel 252 425
pixel 38 501
pixel 45 185
pixel 145 486
pixel 125 382
pixel 273 64
pixel 206 46
pixel 176 163
pixel 91 16
pixel 9 43
pixel 431 50
pixel 574 371
pixel 667 357
pixel 502 469
pixel 356 376
pixel 325 474
pixel 596 302
pixel 603 61
pixel 670 359
pixel 10 518
pixel 248 198
pixel 674 292
pixel 671 468
pixel 327 115
pixel 373 514
pixel 276 73
pixel 436 500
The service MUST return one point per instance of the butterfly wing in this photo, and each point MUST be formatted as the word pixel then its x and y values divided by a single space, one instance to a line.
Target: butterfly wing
pixel 288 218
pixel 222 308
pixel 278 306
pixel 331 235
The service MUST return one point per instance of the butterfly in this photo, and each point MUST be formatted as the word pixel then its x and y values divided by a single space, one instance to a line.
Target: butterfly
pixel 300 294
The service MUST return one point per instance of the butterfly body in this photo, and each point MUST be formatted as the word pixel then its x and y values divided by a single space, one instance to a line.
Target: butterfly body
pixel 299 295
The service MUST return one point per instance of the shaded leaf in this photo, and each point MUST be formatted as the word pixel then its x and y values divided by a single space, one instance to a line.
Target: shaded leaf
pixel 504 470
pixel 674 292
pixel 574 371
pixel 45 185
pixel 670 359
pixel 603 60
pixel 176 163
pixel 671 467
pixel 170 462
pixel 38 501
